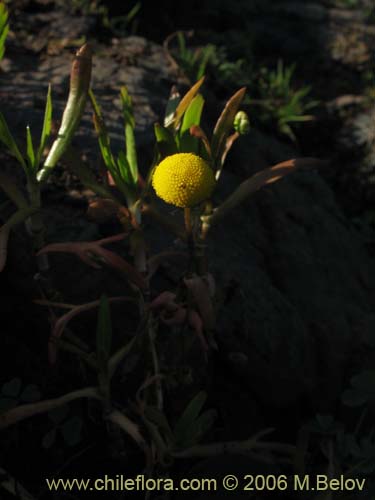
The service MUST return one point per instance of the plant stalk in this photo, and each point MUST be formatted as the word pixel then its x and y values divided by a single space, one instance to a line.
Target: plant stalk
pixel 35 225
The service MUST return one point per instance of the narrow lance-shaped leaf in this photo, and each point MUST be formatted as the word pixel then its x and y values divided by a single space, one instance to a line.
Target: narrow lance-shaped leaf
pixel 192 117
pixel 7 138
pixel 46 130
pixel 224 125
pixel 79 86
pixel 93 253
pixel 184 103
pixel 129 124
pixel 197 132
pixel 30 149
pixel 228 144
pixel 124 168
pixel 190 414
pixel 4 28
pixel 257 181
pixel 101 130
pixel 116 169
pixel 193 113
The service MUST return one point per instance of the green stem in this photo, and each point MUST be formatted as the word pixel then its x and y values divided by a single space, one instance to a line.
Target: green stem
pixel 35 225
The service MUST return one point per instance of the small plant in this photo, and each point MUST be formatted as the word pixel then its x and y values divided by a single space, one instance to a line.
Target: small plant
pixel 281 104
pixel 185 173
pixel 119 25
pixel 192 62
pixel 37 172
pixel 279 99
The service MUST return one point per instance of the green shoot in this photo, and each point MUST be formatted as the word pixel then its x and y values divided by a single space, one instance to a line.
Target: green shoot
pixel 4 28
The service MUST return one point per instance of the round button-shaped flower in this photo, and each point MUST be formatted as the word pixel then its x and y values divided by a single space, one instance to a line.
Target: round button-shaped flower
pixel 183 180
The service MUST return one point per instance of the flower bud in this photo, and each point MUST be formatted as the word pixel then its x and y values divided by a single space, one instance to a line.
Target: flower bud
pixel 241 123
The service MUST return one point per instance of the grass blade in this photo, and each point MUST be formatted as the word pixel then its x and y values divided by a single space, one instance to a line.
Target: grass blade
pixel 30 155
pixel 184 103
pixel 46 130
pixel 7 138
pixel 4 28
pixel 131 152
pixel 119 169
pixel 192 117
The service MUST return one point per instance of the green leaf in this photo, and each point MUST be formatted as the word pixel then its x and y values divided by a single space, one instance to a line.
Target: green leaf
pixel 80 77
pixel 4 28
pixel 184 104
pixel 187 420
pixel 192 117
pixel 133 12
pixel 208 53
pixel 30 155
pixel 101 130
pixel 72 431
pixel 118 169
pixel 193 113
pixel 7 138
pixel 46 130
pixel 124 168
pixel 131 151
pixel 12 388
pixel 103 333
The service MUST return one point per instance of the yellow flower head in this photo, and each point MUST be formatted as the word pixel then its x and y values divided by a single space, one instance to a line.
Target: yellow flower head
pixel 183 179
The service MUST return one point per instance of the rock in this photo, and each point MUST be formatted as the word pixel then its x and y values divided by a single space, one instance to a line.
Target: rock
pixel 140 65
pixel 317 32
pixel 303 292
